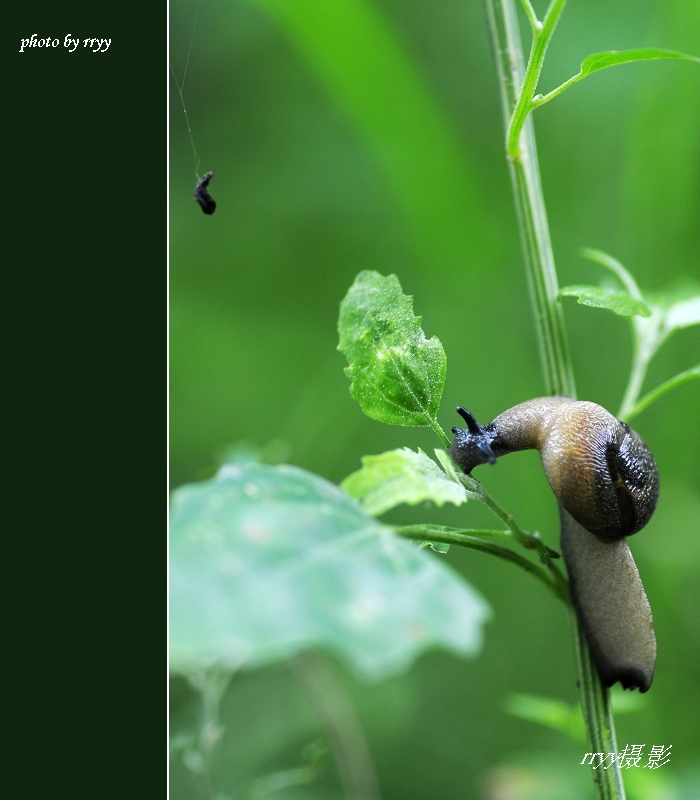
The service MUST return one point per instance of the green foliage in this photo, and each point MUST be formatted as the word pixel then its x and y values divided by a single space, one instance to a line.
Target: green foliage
pixel 564 717
pixel 394 164
pixel 654 318
pixel 267 562
pixel 396 373
pixel 612 58
pixel 376 318
pixel 550 712
pixel 598 61
pixel 604 297
pixel 401 476
pixel 546 572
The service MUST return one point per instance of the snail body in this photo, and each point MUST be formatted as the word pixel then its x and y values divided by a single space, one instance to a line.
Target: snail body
pixel 599 469
pixel 612 605
pixel 607 484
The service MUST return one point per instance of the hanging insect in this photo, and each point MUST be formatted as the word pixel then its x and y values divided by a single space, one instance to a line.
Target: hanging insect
pixel 202 196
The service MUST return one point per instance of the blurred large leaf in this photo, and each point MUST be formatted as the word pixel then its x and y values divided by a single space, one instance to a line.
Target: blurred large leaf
pixel 270 561
pixel 396 374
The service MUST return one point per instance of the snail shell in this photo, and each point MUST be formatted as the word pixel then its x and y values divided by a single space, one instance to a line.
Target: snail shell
pixel 599 469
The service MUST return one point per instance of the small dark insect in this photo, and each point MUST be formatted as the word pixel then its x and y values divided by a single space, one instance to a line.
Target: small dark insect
pixel 202 196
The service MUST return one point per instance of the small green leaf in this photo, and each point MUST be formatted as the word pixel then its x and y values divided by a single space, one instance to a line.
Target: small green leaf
pixel 676 307
pixel 597 61
pixel 560 716
pixel 619 302
pixel 683 314
pixel 401 476
pixel 549 712
pixel 626 702
pixel 396 374
pixel 471 486
pixel 612 58
pixel 267 562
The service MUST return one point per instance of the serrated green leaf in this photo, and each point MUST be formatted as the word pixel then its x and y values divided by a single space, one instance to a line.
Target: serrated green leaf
pixel 396 373
pixel 471 485
pixel 619 302
pixel 401 476
pixel 270 561
pixel 611 58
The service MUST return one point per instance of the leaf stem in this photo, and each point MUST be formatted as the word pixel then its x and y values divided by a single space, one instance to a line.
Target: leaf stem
pixel 646 330
pixel 532 541
pixel 554 355
pixel 444 438
pixel 541 99
pixel 436 533
pixel 341 725
pixel 652 396
pixel 644 349
pixel 535 24
pixel 541 35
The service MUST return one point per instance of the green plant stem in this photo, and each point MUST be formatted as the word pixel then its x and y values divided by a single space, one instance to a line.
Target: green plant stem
pixel 531 541
pixel 643 352
pixel 436 533
pixel 598 716
pixel 444 438
pixel 647 333
pixel 551 334
pixel 535 24
pixel 541 99
pixel 690 374
pixel 341 725
pixel 529 203
pixel 520 110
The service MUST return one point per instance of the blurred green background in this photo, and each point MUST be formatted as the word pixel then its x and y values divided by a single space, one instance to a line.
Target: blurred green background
pixel 367 135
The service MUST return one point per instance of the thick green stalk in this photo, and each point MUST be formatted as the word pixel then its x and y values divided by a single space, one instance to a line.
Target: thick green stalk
pixel 529 203
pixel 542 278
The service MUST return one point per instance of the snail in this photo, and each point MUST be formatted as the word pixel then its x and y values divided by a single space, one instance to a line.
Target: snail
pixel 607 484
